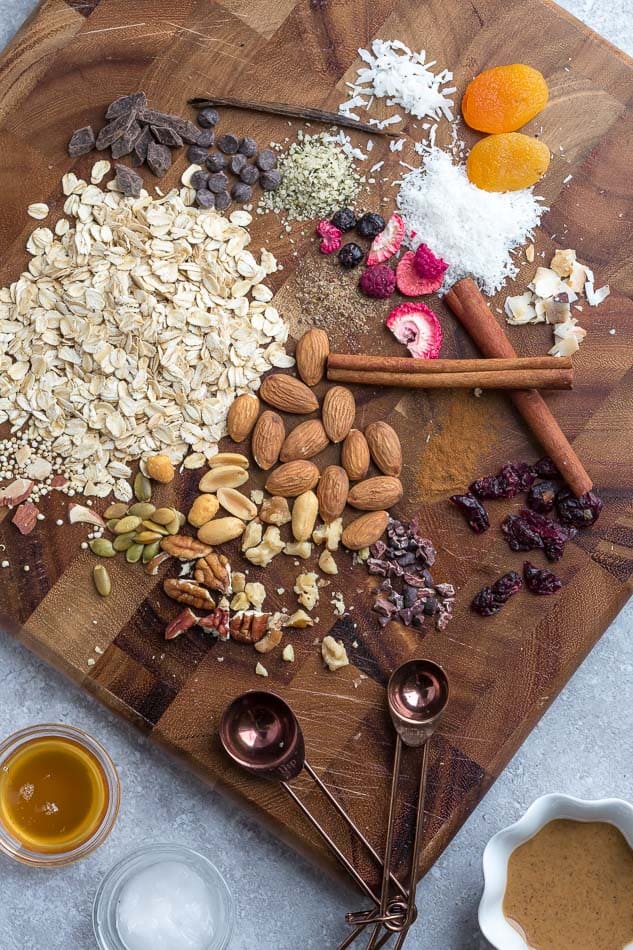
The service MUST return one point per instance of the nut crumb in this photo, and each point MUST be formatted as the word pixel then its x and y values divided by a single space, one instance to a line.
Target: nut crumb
pixel 288 653
pixel 334 654
pixel 261 670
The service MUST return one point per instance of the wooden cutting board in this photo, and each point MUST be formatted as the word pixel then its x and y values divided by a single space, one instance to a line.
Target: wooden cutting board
pixel 69 61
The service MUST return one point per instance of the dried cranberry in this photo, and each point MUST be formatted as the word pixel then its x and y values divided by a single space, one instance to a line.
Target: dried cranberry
pixel 519 534
pixel 529 530
pixel 487 487
pixel 511 479
pixel 581 512
pixel 475 513
pixel 491 599
pixel 541 496
pixel 540 581
pixel 545 468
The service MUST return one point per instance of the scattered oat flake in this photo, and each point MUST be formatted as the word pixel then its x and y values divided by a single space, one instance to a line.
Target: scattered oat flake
pixel 39 211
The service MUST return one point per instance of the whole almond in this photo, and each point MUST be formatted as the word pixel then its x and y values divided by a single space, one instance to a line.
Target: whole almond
pixel 366 530
pixel 242 416
pixel 383 491
pixel 311 355
pixel 237 504
pixel 220 530
pixel 268 437
pixel 304 512
pixel 225 476
pixel 338 412
pixel 307 439
pixel 292 479
pixel 385 448
pixel 332 492
pixel 288 394
pixel 355 455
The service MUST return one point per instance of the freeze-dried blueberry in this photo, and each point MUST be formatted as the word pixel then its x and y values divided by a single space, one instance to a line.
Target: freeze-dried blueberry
pixel 228 143
pixel 197 154
pixel 207 118
pixel 370 224
pixel 266 160
pixel 250 174
pixel 222 201
pixel 237 163
pixel 241 193
pixel 247 146
pixel 271 180
pixel 81 142
pixel 215 162
pixel 205 198
pixel 206 138
pixel 217 182
pixel 344 220
pixel 158 159
pixel 199 180
pixel 350 255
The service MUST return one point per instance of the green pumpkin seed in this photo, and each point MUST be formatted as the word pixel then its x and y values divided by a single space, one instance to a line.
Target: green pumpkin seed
pixel 117 510
pixel 134 553
pixel 101 580
pixel 164 515
pixel 150 551
pixel 182 520
pixel 112 523
pixel 129 523
pixel 143 509
pixel 173 527
pixel 102 547
pixel 157 528
pixel 142 487
pixel 147 537
pixel 123 541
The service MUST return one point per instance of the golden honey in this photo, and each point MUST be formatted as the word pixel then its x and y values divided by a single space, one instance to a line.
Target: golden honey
pixel 53 794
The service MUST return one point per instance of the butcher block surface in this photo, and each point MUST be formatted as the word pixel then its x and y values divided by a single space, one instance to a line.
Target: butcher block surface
pixel 66 65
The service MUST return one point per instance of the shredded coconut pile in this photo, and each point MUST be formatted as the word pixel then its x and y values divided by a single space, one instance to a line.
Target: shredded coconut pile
pixel 393 72
pixel 475 231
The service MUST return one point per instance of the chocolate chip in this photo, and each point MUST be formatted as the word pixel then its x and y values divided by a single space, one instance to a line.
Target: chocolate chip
pixel 166 136
pixel 128 182
pixel 266 160
pixel 139 154
pixel 158 159
pixel 247 147
pixel 216 162
pixel 199 180
pixel 237 163
pixel 222 201
pixel 249 174
pixel 114 130
pixel 206 138
pixel 128 140
pixel 217 183
pixel 271 180
pixel 207 118
pixel 81 142
pixel 135 101
pixel 196 154
pixel 205 198
pixel 228 144
pixel 241 193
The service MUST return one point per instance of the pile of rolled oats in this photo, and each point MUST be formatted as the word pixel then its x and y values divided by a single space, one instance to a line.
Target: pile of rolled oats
pixel 136 324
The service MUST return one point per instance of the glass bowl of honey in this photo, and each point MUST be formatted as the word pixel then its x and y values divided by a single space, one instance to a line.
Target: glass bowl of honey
pixel 59 795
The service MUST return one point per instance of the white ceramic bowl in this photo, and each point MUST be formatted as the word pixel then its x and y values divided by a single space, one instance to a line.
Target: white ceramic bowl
pixel 494 925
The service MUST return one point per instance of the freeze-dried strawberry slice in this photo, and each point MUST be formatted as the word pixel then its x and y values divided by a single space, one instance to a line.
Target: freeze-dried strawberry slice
pixel 409 281
pixel 388 242
pixel 415 325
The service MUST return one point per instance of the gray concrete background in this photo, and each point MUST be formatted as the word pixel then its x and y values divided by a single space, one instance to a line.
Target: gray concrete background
pixel 583 746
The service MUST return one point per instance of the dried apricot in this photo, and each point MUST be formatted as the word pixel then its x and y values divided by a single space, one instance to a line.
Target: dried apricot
pixel 504 98
pixel 507 162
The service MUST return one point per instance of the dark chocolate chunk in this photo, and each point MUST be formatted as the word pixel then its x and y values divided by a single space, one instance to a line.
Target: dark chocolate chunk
pixel 128 181
pixel 82 142
pixel 222 201
pixel 196 154
pixel 205 198
pixel 237 163
pixel 217 182
pixel 199 180
pixel 158 159
pixel 266 160
pixel 126 143
pixel 271 180
pixel 250 174
pixel 207 118
pixel 206 138
pixel 241 193
pixel 114 130
pixel 187 131
pixel 139 154
pixel 216 162
pixel 248 147
pixel 166 136
pixel 134 102
pixel 228 144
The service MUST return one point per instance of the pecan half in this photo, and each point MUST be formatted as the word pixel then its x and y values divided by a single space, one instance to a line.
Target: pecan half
pixel 214 571
pixel 188 592
pixel 248 626
pixel 217 623
pixel 184 547
pixel 185 619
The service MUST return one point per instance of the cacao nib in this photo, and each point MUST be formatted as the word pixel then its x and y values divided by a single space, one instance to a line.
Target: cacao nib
pixel 540 581
pixel 545 468
pixel 541 496
pixel 475 513
pixel 581 512
pixel 491 599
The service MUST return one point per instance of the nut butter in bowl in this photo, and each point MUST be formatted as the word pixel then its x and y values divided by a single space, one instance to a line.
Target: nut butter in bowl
pixel 561 878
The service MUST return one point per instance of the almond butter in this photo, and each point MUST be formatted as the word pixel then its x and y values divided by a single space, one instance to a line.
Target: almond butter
pixel 225 476
pixel 288 394
pixel 355 455
pixel 304 512
pixel 311 355
pixel 242 416
pixel 306 440
pixel 237 504
pixel 383 491
pixel 366 530
pixel 268 437
pixel 385 448
pixel 332 492
pixel 338 412
pixel 292 479
pixel 220 530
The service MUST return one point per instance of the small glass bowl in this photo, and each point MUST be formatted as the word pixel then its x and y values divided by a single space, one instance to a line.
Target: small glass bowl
pixel 104 911
pixel 12 847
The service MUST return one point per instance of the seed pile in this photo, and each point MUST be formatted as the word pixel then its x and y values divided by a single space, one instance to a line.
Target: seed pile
pixel 133 330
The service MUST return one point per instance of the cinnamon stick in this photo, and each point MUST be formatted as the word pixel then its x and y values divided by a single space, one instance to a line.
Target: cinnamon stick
pixel 409 364
pixel 504 379
pixel 468 304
